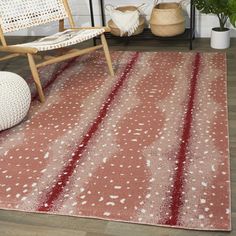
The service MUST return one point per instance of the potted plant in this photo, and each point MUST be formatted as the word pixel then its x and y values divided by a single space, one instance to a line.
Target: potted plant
pixel 224 10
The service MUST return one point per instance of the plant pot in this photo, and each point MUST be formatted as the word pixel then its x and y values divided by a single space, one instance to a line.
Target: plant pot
pixel 220 39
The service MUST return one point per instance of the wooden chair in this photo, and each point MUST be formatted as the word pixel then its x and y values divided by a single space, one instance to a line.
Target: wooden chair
pixel 21 14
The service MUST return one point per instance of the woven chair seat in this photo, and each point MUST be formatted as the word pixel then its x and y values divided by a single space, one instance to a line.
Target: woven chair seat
pixel 63 39
pixel 22 14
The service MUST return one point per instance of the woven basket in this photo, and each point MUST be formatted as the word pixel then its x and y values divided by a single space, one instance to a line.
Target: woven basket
pixel 167 19
pixel 116 31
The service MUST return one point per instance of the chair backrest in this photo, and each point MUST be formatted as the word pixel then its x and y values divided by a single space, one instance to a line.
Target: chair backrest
pixel 21 14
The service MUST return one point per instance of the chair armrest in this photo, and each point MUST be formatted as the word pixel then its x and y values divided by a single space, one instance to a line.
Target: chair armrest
pixel 18 49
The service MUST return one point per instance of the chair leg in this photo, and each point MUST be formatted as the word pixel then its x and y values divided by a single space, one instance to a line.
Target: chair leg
pixel 107 54
pixel 36 78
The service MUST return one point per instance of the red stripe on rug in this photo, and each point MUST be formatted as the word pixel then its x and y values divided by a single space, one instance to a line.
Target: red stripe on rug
pixel 67 172
pixel 176 194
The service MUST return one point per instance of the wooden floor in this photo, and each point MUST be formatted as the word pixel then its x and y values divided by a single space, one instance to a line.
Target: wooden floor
pixel 25 224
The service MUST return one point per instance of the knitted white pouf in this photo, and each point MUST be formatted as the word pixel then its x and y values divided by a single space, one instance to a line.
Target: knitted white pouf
pixel 15 99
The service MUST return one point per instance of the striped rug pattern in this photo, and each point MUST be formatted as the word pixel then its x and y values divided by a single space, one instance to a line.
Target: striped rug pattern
pixel 147 146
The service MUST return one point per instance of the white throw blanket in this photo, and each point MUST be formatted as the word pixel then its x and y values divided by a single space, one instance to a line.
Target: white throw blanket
pixel 127 21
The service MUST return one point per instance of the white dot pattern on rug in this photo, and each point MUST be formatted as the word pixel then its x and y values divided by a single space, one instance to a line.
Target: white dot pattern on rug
pixel 157 155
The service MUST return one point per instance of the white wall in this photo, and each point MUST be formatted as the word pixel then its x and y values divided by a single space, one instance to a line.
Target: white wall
pixel 81 14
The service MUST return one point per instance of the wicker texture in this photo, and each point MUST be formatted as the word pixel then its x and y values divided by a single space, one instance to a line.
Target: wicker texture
pixel 21 14
pixel 15 99
pixel 167 19
pixel 63 39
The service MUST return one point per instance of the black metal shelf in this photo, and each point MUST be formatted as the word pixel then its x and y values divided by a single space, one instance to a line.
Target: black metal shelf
pixel 189 33
pixel 147 34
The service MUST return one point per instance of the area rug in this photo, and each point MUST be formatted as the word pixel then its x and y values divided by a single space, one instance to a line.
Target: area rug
pixel 147 146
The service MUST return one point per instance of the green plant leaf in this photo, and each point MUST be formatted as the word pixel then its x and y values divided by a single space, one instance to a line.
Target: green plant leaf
pixel 232 5
pixel 232 15
pixel 232 19
pixel 224 9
